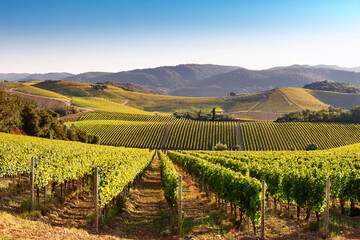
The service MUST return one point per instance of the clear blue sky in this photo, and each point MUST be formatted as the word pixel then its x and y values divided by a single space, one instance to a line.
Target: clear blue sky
pixel 114 35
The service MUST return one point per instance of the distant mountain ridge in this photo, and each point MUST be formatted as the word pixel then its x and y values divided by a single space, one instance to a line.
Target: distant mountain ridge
pixel 247 81
pixel 203 80
pixel 34 77
pixel 168 77
pixel 336 67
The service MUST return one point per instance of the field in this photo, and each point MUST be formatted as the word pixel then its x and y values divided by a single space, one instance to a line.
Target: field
pixel 339 100
pixel 138 191
pixel 263 136
pixel 245 102
pixel 104 105
pixel 28 88
pixel 256 115
pixel 213 191
pixel 188 134
pixel 126 133
pixel 122 129
pixel 101 115
pixel 276 101
pixel 303 99
pixel 44 102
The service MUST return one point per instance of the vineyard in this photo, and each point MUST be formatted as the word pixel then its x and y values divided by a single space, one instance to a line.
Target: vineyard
pixel 126 133
pixel 265 136
pixel 102 104
pixel 147 131
pixel 60 162
pixel 99 115
pixel 189 134
pixel 295 178
pixel 291 177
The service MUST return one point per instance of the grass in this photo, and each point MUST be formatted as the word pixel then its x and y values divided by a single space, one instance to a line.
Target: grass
pixel 275 102
pixel 111 214
pixel 169 104
pixel 142 101
pixel 302 98
pixel 104 105
pixel 66 88
pixel 244 102
pixel 339 100
pixel 27 87
pixel 257 115
pixel 337 223
pixel 40 92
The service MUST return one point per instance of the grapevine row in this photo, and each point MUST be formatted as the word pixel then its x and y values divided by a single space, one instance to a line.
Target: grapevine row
pixel 101 115
pixel 196 135
pixel 241 190
pixel 298 176
pixel 126 133
pixel 264 136
pixel 60 161
pixel 170 179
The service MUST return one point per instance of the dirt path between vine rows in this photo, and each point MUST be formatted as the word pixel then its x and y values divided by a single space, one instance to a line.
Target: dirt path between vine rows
pixel 147 214
pixel 202 218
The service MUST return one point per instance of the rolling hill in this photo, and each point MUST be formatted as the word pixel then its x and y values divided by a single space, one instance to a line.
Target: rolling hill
pixel 265 105
pixel 334 87
pixel 248 81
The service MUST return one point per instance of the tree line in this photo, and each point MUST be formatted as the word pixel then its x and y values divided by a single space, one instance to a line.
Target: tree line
pixel 324 115
pixel 21 116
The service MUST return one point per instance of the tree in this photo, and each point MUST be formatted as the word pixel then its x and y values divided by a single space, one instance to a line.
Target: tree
pixel 220 147
pixel 30 119
pixel 355 114
pixel 213 114
pixel 10 112
pixel 312 146
pixel 232 94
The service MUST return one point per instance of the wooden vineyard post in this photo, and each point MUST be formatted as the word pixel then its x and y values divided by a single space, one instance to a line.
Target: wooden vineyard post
pixel 263 210
pixel 248 223
pixel 180 204
pixel 32 183
pixel 96 182
pixel 45 190
pixel 327 204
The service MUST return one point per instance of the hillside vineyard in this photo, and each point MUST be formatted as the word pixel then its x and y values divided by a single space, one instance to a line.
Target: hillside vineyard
pixel 166 132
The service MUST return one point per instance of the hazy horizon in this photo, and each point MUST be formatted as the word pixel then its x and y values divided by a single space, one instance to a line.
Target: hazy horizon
pixel 170 66
pixel 111 36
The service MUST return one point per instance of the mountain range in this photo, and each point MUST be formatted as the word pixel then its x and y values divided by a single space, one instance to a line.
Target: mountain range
pixel 208 79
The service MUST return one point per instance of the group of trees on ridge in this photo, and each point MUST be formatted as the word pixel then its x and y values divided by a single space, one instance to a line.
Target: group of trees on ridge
pixel 324 115
pixel 21 116
pixel 200 116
